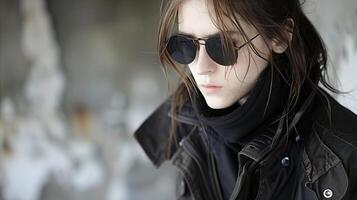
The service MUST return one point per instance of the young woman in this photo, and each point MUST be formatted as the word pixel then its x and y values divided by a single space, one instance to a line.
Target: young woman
pixel 249 120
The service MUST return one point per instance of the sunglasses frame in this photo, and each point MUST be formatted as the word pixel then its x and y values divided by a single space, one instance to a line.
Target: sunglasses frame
pixel 198 42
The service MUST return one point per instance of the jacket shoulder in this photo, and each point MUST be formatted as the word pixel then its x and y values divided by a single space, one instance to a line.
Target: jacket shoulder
pixel 339 134
pixel 339 120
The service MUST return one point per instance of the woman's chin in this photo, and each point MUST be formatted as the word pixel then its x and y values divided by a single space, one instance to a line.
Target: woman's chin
pixel 218 102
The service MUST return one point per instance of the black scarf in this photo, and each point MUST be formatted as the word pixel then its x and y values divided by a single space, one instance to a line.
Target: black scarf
pixel 264 105
pixel 230 128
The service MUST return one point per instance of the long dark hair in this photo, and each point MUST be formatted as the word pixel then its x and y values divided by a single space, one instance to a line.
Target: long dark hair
pixel 306 53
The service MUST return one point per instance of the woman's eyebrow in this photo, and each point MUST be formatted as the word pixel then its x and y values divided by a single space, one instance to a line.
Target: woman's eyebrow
pixel 187 34
pixel 194 36
pixel 203 36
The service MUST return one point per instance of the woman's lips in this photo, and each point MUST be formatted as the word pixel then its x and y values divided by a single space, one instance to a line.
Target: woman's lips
pixel 210 88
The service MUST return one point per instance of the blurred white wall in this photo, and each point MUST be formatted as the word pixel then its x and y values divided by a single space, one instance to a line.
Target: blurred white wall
pixel 113 82
pixel 336 22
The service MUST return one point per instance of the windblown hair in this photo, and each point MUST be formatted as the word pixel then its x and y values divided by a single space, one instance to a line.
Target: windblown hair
pixel 306 55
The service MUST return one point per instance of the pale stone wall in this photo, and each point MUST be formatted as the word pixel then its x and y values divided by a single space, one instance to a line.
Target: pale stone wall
pixel 106 52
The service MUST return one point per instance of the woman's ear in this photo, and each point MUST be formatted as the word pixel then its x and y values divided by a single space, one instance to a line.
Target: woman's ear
pixel 279 46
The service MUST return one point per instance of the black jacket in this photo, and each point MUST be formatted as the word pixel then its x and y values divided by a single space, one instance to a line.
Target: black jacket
pixel 318 161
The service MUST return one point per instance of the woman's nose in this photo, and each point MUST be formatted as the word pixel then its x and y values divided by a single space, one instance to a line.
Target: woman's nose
pixel 204 64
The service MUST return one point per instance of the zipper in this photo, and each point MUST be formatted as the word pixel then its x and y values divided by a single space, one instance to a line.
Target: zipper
pixel 212 169
pixel 187 146
pixel 188 185
pixel 246 170
pixel 185 143
pixel 237 185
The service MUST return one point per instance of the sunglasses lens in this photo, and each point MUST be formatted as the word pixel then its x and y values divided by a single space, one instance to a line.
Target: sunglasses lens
pixel 181 49
pixel 215 51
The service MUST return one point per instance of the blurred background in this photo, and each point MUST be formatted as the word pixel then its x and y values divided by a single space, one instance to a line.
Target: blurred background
pixel 78 77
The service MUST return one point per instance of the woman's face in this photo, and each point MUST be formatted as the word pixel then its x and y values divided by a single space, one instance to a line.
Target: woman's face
pixel 221 86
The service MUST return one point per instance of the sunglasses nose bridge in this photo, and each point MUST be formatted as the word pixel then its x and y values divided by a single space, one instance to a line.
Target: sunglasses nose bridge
pixel 198 42
pixel 201 41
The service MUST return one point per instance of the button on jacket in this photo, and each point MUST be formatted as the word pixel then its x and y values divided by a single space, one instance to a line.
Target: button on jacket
pixel 318 159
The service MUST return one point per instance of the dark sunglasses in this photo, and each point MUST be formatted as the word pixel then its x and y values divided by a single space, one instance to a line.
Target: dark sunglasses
pixel 183 48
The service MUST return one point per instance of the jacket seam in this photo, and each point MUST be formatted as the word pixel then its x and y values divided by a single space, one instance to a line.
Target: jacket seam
pixel 341 139
pixel 261 186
